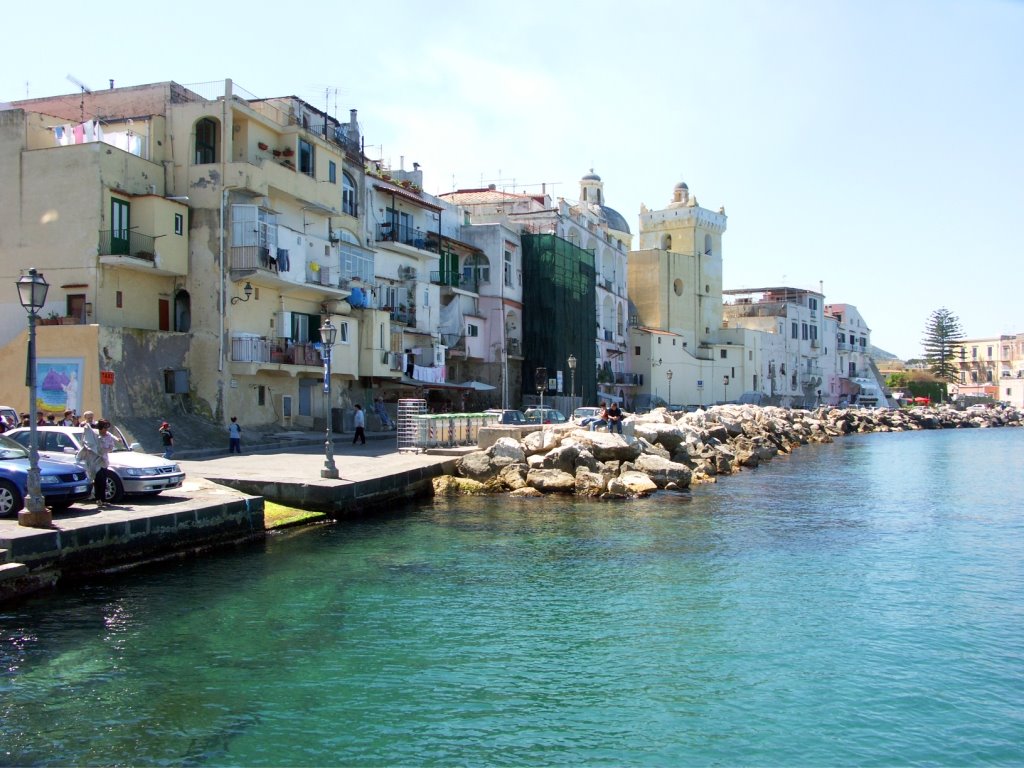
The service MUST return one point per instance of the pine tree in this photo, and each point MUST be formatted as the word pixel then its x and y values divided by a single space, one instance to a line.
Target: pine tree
pixel 942 337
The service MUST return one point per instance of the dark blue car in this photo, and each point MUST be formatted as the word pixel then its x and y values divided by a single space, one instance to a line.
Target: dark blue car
pixel 62 484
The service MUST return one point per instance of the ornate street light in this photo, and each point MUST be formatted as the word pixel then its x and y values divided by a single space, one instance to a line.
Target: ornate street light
pixel 32 288
pixel 572 377
pixel 328 335
pixel 668 373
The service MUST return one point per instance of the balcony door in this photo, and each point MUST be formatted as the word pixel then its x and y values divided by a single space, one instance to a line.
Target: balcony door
pixel 119 226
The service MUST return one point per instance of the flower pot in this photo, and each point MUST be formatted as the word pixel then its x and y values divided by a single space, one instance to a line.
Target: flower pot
pixel 277 153
pixel 288 153
pixel 262 146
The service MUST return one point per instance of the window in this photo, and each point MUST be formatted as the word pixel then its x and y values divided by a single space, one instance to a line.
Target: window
pixel 206 141
pixel 803 331
pixel 990 352
pixel 332 172
pixel 636 351
pixel 812 303
pixel 723 353
pixel 796 331
pixel 507 268
pixel 342 332
pixel 307 158
pixel 261 395
pixel 348 195
pixel 814 333
pixel 472 331
pixel 179 224
pixel 475 270
pixel 119 300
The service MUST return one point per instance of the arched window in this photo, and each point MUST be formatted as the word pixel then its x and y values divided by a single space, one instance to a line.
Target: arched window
pixel 207 132
pixel 666 242
pixel 182 312
pixel 348 195
pixel 707 245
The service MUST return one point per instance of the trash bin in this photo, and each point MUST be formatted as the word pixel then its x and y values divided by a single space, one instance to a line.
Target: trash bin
pixel 337 423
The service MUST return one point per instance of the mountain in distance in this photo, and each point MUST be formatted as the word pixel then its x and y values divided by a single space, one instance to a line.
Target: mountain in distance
pixel 878 353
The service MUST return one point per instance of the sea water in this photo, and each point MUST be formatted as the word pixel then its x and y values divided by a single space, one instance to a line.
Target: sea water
pixel 859 603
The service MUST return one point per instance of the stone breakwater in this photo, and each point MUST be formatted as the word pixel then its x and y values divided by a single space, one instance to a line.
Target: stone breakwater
pixel 667 451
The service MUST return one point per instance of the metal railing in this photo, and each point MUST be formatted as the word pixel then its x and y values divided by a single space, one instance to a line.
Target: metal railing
pixel 121 242
pixel 401 233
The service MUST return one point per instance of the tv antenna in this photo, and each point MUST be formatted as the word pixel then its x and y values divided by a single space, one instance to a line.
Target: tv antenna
pixel 85 89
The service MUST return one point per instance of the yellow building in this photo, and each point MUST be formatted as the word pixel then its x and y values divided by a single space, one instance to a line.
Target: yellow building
pixel 85 202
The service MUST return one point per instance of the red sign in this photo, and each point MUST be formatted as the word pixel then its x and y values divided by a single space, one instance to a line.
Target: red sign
pixel 106 377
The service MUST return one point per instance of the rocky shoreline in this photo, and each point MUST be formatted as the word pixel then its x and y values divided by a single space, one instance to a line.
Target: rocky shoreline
pixel 667 451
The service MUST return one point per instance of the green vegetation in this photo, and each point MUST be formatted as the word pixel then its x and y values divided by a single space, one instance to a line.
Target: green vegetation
pixel 942 337
pixel 918 384
pixel 280 516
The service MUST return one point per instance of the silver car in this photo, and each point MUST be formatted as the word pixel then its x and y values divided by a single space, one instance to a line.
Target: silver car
pixel 132 472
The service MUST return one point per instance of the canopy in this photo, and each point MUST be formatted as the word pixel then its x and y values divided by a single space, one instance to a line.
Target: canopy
pixel 478 386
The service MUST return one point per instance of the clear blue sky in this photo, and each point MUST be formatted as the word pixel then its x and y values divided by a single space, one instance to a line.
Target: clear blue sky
pixel 872 147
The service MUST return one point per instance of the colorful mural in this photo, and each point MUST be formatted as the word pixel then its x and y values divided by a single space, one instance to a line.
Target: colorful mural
pixel 59 384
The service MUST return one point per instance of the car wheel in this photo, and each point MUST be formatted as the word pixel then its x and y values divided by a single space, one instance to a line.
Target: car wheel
pixel 114 489
pixel 10 499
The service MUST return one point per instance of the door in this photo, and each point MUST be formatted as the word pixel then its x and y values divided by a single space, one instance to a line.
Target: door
pixel 164 313
pixel 119 226
pixel 306 396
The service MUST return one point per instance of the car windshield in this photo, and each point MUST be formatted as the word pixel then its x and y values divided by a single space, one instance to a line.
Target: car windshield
pixel 11 450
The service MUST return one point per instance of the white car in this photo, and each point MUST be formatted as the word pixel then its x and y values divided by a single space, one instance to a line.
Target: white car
pixel 132 471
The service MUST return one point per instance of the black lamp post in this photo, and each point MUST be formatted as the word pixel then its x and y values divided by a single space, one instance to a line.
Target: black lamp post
pixel 572 378
pixel 32 288
pixel 328 335
pixel 668 373
pixel 540 380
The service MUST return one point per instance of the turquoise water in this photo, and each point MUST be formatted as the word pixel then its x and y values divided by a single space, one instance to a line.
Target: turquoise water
pixel 860 603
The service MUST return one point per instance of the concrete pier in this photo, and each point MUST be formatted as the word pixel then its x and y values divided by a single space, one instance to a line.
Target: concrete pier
pixel 220 503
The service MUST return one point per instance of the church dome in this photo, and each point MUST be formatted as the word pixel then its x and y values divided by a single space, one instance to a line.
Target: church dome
pixel 613 219
pixel 591 177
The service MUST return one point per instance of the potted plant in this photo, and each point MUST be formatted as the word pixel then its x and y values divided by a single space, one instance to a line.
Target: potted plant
pixel 277 153
pixel 288 152
pixel 262 145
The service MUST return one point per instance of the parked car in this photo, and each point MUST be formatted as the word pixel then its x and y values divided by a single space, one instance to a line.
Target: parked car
pixel 507 416
pixel 586 414
pixel 131 471
pixel 9 415
pixel 62 484
pixel 550 416
pixel 643 403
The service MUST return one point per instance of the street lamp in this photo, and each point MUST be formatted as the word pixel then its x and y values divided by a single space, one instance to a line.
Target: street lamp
pixel 725 389
pixel 572 377
pixel 32 289
pixel 668 373
pixel 328 335
pixel 540 380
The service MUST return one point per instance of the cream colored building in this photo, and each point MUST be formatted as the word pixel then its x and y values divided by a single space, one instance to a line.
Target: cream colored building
pixel 991 367
pixel 87 204
pixel 675 286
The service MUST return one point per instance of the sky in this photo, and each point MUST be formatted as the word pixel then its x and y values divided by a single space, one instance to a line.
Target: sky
pixel 872 148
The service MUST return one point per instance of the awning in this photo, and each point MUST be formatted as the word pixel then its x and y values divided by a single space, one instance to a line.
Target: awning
pixel 405 381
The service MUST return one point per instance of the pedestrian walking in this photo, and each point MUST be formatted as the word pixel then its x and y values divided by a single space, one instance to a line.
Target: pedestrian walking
pixel 234 436
pixel 360 422
pixel 167 437
pixel 97 444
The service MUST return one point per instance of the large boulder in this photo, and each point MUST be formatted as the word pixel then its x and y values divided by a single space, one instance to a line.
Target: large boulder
pixel 507 447
pixel 541 441
pixel 663 471
pixel 563 457
pixel 449 485
pixel 590 483
pixel 551 480
pixel 632 483
pixel 608 446
pixel 668 436
pixel 513 476
pixel 476 466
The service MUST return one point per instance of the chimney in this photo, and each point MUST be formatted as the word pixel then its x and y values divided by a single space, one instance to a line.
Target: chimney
pixel 111 83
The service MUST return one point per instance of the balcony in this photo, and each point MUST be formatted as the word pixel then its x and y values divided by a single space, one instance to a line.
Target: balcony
pixel 319 274
pixel 127 243
pixel 631 379
pixel 455 280
pixel 402 315
pixel 254 349
pixel 456 342
pixel 404 234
